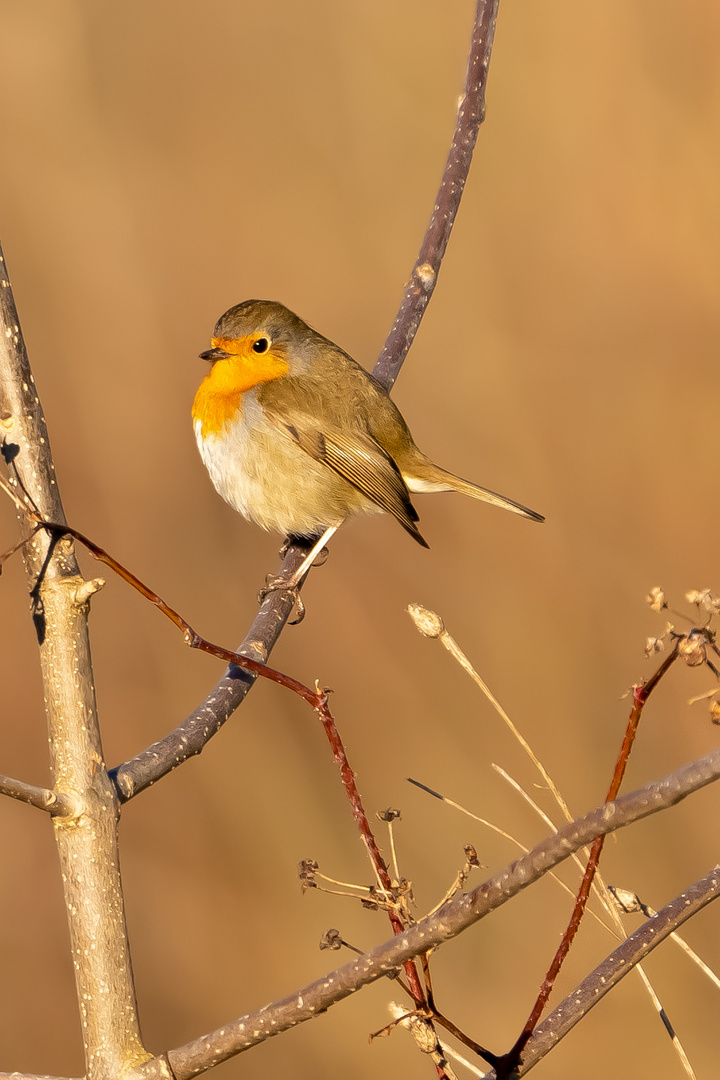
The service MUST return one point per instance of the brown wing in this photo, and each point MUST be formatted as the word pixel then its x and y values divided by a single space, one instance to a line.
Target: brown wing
pixel 358 458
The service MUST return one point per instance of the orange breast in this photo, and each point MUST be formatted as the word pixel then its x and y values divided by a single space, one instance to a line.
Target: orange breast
pixel 219 396
pixel 213 408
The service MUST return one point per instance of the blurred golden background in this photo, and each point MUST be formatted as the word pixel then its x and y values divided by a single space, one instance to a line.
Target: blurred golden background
pixel 164 161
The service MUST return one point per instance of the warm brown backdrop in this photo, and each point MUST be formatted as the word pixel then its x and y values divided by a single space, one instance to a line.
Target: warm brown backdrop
pixel 163 161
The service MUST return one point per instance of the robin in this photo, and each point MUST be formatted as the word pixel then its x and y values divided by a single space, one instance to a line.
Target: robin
pixel 298 437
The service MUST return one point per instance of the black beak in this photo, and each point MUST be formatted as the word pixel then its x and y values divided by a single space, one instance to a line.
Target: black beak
pixel 214 354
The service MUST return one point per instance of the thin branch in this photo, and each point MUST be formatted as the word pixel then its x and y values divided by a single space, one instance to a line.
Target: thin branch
pixel 191 637
pixel 452 919
pixel 471 113
pixel 54 802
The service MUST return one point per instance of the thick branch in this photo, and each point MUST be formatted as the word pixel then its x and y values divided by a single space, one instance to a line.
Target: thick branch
pixel 87 842
pixel 450 921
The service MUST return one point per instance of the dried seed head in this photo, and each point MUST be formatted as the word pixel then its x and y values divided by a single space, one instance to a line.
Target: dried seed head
pixel 331 939
pixel 306 872
pixel 471 855
pixel 654 645
pixel 704 599
pixel 625 899
pixel 656 598
pixel 427 622
pixel 692 649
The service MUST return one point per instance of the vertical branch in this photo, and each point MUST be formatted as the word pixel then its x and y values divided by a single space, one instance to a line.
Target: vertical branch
pixel 471 113
pixel 87 840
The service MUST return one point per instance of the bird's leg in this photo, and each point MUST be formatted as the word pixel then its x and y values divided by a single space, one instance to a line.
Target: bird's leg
pixel 291 584
pixel 311 556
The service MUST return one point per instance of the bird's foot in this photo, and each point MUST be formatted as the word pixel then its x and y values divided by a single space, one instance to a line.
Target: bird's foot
pixel 281 584
pixel 321 556
pixel 317 556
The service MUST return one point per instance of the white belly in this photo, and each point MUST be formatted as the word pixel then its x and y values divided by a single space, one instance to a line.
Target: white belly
pixel 266 477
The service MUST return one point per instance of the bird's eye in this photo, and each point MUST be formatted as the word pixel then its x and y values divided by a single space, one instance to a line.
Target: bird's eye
pixel 261 345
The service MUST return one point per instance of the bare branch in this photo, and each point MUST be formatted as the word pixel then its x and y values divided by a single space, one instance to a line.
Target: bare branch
pixel 450 921
pixel 55 802
pixel 87 844
pixel 471 113
pixel 615 967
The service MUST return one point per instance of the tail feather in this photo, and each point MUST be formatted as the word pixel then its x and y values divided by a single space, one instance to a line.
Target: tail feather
pixel 442 480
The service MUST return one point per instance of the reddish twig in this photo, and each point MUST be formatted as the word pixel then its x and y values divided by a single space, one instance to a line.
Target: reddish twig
pixel 192 638
pixel 348 778
pixel 316 698
pixel 640 695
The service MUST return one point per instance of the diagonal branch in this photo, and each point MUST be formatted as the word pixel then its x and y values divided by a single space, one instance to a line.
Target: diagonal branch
pixel 452 919
pixel 614 968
